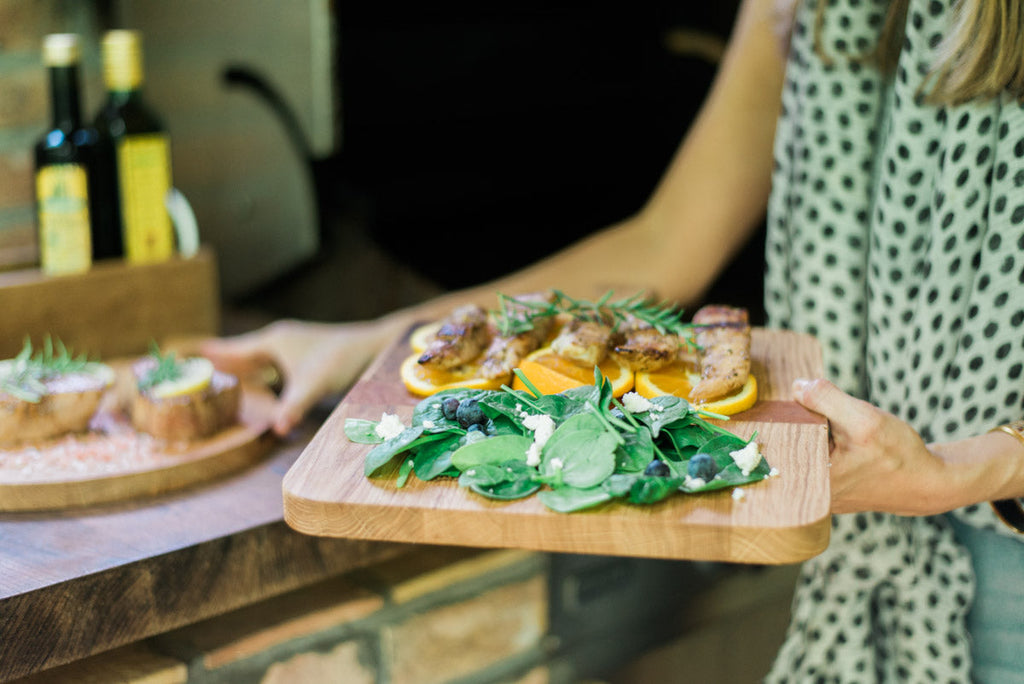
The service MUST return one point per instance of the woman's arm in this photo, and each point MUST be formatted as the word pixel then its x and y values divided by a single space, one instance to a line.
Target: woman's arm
pixel 706 206
pixel 711 198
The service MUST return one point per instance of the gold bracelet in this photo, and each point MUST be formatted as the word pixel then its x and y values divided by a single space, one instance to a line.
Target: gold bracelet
pixel 1010 511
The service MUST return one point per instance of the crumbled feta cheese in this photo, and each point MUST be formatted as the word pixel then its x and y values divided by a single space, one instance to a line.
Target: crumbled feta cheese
pixel 747 458
pixel 428 424
pixel 738 494
pixel 774 472
pixel 694 482
pixel 635 403
pixel 533 455
pixel 390 425
pixel 542 425
pixel 556 464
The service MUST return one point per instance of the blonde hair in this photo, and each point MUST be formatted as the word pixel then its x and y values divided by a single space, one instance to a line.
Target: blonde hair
pixel 981 56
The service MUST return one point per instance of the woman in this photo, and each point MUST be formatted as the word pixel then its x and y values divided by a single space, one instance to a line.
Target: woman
pixel 894 182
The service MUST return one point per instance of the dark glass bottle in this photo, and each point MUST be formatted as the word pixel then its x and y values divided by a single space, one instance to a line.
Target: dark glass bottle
pixel 63 160
pixel 134 155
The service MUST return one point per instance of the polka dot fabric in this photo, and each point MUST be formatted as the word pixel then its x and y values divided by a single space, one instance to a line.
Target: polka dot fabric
pixel 896 236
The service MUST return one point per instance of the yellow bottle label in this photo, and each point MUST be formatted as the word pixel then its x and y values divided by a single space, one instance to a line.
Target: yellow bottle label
pixel 144 169
pixel 65 245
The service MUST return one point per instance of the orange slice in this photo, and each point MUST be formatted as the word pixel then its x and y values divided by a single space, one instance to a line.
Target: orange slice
pixel 551 373
pixel 423 381
pixel 421 336
pixel 677 380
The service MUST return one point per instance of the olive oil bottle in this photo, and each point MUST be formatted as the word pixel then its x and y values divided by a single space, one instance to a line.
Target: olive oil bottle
pixel 135 155
pixel 63 166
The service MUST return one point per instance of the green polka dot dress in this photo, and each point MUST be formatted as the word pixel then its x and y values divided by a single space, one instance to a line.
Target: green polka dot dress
pixel 896 236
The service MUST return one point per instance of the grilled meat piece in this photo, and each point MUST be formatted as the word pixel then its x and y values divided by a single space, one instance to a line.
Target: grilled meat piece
pixel 646 349
pixel 462 337
pixel 505 352
pixel 723 336
pixel 641 347
pixel 583 341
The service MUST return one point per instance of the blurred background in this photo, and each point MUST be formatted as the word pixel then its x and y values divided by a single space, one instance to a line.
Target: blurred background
pixel 328 146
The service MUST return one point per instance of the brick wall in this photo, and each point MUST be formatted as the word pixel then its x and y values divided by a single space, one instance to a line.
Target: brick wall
pixel 25 108
pixel 445 615
pixel 435 615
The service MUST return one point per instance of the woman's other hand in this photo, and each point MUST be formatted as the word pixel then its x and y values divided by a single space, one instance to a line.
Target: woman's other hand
pixel 878 462
pixel 312 360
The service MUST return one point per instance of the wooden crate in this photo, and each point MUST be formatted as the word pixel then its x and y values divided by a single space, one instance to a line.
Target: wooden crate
pixel 115 309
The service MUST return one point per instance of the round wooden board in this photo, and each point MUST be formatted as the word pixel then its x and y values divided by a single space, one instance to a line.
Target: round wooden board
pixel 166 468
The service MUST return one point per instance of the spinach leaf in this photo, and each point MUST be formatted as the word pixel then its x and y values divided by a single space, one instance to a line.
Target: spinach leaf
pixel 505 481
pixel 491 450
pixel 569 499
pixel 404 470
pixel 484 475
pixel 619 484
pixel 382 454
pixel 648 490
pixel 362 431
pixel 580 453
pixel 508 490
pixel 635 452
pixel 434 459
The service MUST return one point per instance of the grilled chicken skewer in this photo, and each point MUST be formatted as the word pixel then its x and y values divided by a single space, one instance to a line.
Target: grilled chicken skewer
pixel 643 348
pixel 505 352
pixel 723 336
pixel 584 341
pixel 462 337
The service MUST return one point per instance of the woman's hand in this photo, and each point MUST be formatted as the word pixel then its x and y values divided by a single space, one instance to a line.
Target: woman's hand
pixel 878 462
pixel 312 359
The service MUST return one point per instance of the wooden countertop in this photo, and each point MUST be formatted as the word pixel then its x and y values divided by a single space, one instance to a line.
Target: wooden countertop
pixel 76 583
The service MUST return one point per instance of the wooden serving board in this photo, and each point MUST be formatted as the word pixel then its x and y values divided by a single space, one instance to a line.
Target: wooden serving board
pixel 124 465
pixel 783 519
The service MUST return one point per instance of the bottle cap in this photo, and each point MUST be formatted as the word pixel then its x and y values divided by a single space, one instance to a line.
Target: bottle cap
pixel 122 60
pixel 60 49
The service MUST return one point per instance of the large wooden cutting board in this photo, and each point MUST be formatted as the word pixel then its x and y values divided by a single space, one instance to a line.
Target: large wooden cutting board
pixel 782 519
pixel 122 465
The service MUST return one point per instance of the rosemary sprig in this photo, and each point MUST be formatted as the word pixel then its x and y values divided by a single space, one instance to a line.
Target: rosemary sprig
pixel 516 316
pixel 167 368
pixel 28 373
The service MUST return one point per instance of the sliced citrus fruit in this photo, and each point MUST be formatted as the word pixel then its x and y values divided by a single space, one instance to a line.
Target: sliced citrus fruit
pixel 678 379
pixel 551 373
pixel 196 374
pixel 422 335
pixel 424 381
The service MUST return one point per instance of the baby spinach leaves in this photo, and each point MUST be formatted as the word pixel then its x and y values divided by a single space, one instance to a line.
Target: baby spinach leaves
pixel 576 450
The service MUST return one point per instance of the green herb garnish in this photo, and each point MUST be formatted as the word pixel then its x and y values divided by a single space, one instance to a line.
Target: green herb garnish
pixel 518 315
pixel 27 374
pixel 167 368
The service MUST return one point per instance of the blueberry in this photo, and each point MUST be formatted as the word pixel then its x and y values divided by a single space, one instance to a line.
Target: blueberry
pixel 470 413
pixel 657 468
pixel 449 407
pixel 702 466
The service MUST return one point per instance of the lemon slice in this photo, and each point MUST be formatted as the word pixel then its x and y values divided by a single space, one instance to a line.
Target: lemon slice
pixel 196 374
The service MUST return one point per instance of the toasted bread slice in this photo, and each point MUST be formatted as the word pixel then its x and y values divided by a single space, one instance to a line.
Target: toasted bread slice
pixel 63 404
pixel 187 416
